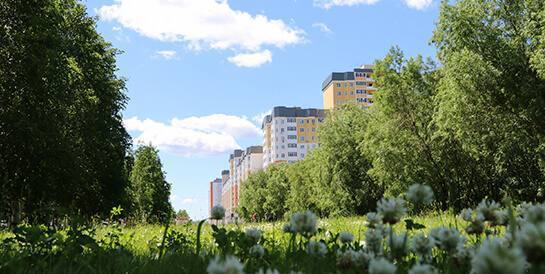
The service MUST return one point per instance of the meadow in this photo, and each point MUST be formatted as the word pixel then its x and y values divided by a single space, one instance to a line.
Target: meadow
pixel 399 238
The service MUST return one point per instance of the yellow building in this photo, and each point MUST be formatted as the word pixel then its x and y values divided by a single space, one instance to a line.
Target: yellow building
pixel 355 87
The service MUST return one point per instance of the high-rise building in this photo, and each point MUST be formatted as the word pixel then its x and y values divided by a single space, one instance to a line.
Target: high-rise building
pixel 215 193
pixel 226 191
pixel 356 87
pixel 290 133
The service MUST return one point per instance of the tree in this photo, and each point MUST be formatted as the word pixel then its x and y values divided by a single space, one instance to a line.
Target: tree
pixel 149 191
pixel 182 215
pixel 62 141
pixel 252 196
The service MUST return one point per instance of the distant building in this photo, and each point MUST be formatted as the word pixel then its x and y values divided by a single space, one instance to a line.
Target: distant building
pixel 215 193
pixel 356 87
pixel 290 133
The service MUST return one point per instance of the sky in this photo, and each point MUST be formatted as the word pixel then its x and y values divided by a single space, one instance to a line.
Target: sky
pixel 201 74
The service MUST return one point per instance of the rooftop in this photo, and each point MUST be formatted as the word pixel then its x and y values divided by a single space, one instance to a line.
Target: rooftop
pixel 345 76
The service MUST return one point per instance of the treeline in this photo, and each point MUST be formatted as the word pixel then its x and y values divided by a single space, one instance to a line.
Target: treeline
pixel 63 148
pixel 471 128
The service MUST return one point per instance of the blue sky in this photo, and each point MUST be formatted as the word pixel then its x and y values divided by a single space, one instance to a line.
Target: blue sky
pixel 200 73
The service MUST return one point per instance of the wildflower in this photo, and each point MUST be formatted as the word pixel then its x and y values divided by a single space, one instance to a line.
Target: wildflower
pixel 257 251
pixel 398 245
pixel 373 219
pixel 346 237
pixel 316 248
pixel 217 212
pixel 353 259
pixel 373 240
pixel 254 234
pixel 422 269
pixel 287 228
pixel 534 214
pixel 304 223
pixel 476 226
pixel 230 265
pixel 489 210
pixel 420 194
pixel 467 214
pixel 495 258
pixel 391 209
pixel 448 239
pixel 381 266
pixel 531 239
pixel 422 246
pixel 268 271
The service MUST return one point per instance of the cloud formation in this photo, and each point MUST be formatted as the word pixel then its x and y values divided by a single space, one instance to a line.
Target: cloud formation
pixel 327 4
pixel 205 135
pixel 166 54
pixel 251 60
pixel 322 27
pixel 202 24
pixel 418 4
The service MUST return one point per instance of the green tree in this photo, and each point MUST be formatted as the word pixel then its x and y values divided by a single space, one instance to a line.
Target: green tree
pixel 62 141
pixel 275 192
pixel 149 191
pixel 252 196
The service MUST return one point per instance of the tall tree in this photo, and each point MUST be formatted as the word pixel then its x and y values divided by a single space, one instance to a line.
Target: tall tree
pixel 62 143
pixel 149 191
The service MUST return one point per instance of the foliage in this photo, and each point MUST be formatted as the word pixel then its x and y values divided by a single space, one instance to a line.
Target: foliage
pixel 62 141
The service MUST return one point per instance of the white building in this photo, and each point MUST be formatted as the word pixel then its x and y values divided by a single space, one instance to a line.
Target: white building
pixel 215 193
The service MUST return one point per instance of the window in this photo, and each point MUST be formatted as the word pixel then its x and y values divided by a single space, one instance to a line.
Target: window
pixel 292 145
pixel 291 120
pixel 302 130
pixel 339 93
pixel 313 129
pixel 292 137
pixel 302 146
pixel 370 84
pixel 351 84
pixel 283 147
pixel 292 128
pixel 292 154
pixel 302 155
pixel 360 91
pixel 302 138
pixel 283 155
pixel 312 138
pixel 302 122
pixel 359 83
pixel 338 85
pixel 351 93
pixel 282 130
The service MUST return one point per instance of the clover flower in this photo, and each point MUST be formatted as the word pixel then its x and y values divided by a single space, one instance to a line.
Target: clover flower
pixel 447 239
pixel 391 209
pixel 257 251
pixel 422 245
pixel 531 239
pixel 346 237
pixel 217 212
pixel 316 248
pixel 373 220
pixel 381 266
pixel 476 225
pixel 489 210
pixel 254 234
pixel 422 269
pixel 353 259
pixel 304 223
pixel 467 214
pixel 373 240
pixel 496 258
pixel 398 244
pixel 268 271
pixel 231 265
pixel 420 194
pixel 534 213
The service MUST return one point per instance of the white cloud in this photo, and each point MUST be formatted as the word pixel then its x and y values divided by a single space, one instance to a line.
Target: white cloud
pixel 206 135
pixel 202 24
pixel 322 27
pixel 251 60
pixel 258 118
pixel 418 4
pixel 187 201
pixel 327 4
pixel 166 54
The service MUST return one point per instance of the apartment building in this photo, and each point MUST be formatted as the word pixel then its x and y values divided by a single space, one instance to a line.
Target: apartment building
pixel 215 193
pixel 355 87
pixel 226 194
pixel 290 133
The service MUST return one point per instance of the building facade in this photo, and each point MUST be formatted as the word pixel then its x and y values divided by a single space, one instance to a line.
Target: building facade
pixel 215 193
pixel 352 87
pixel 290 133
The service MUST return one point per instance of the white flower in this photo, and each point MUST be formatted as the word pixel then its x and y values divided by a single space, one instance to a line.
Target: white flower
pixel 467 214
pixel 420 194
pixel 346 237
pixel 353 259
pixel 531 239
pixel 381 266
pixel 496 258
pixel 373 219
pixel 217 212
pixel 534 213
pixel 316 248
pixel 373 240
pixel 422 245
pixel 391 209
pixel 257 251
pixel 489 210
pixel 448 239
pixel 254 234
pixel 304 223
pixel 268 271
pixel 422 269
pixel 230 265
